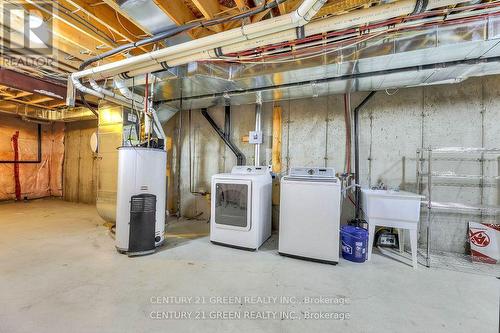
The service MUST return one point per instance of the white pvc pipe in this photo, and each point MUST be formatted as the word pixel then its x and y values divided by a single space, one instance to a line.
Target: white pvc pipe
pixel 258 126
pixel 78 85
pixel 355 18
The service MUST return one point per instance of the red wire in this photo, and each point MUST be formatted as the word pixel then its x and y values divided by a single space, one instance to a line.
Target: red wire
pixel 15 144
pixel 360 30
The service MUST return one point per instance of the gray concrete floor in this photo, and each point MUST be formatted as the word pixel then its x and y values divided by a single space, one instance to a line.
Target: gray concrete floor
pixel 59 272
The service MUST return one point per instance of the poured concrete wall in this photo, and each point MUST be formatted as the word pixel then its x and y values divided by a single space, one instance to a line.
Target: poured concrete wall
pixel 393 125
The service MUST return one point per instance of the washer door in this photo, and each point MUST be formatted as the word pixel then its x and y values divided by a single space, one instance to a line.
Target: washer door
pixel 232 204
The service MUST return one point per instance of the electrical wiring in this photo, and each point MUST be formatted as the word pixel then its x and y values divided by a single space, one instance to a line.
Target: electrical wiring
pixel 124 28
pixel 328 49
pixel 393 93
pixel 251 57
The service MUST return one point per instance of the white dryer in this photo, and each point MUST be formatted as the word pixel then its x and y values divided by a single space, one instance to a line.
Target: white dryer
pixel 310 215
pixel 241 207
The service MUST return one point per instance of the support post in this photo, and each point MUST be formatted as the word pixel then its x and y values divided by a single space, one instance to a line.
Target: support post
pixel 276 148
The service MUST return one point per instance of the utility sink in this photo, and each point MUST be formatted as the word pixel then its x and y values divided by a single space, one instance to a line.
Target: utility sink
pixel 395 209
pixel 391 205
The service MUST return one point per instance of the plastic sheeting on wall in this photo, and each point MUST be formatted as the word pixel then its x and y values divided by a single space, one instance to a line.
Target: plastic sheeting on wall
pixel 37 180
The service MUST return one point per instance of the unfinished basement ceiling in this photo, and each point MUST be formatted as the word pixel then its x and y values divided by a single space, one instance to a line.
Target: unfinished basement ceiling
pixel 434 55
pixel 85 28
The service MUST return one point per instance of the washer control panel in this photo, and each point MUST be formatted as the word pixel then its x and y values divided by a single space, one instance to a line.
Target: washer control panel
pixel 312 172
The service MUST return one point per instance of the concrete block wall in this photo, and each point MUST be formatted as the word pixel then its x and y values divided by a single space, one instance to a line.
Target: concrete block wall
pixel 393 125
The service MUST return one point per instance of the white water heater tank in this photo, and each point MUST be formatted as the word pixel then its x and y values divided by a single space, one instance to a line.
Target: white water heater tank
pixel 140 171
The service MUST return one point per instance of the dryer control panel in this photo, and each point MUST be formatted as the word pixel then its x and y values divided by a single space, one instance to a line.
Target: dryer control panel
pixel 304 172
pixel 250 170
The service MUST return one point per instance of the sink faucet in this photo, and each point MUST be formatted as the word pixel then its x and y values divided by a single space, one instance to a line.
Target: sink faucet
pixel 380 186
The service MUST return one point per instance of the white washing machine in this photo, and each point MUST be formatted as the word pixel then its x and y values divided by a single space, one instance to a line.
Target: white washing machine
pixel 310 215
pixel 241 207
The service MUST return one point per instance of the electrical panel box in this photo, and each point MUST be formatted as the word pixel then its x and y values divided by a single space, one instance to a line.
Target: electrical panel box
pixel 255 137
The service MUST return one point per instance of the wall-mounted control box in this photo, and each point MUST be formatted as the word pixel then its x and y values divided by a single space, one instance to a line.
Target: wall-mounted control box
pixel 255 137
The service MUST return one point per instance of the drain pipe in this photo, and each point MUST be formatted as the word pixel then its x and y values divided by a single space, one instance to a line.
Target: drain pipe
pixel 356 153
pixel 258 128
pixel 241 160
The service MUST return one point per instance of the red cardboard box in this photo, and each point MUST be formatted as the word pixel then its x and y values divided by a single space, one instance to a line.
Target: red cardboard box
pixel 484 241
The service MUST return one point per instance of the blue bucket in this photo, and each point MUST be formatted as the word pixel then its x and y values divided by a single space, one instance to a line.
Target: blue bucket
pixel 354 243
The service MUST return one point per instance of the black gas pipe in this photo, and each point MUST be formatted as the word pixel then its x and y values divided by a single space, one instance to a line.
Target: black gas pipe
pixel 226 135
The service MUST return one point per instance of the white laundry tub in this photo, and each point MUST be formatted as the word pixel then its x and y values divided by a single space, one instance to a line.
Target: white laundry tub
pixel 395 209
pixel 391 205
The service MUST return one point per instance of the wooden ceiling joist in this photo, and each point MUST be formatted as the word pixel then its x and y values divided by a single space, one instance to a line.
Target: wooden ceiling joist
pixel 180 14
pixel 108 20
pixel 177 10
pixel 114 5
pixel 209 8
pixel 241 4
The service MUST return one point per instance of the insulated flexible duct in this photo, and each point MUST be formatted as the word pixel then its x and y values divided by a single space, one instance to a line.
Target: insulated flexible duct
pixel 275 30
pixel 150 61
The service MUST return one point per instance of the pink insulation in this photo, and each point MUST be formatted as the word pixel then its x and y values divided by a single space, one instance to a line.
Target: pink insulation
pixel 39 179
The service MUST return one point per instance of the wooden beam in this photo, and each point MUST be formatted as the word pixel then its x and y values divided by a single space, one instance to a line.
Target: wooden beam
pixel 20 101
pixel 292 5
pixel 180 13
pixel 39 100
pixel 15 96
pixel 117 8
pixel 258 17
pixel 241 4
pixel 177 10
pixel 338 6
pixel 70 30
pixel 276 146
pixel 107 20
pixel 207 7
pixel 282 8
